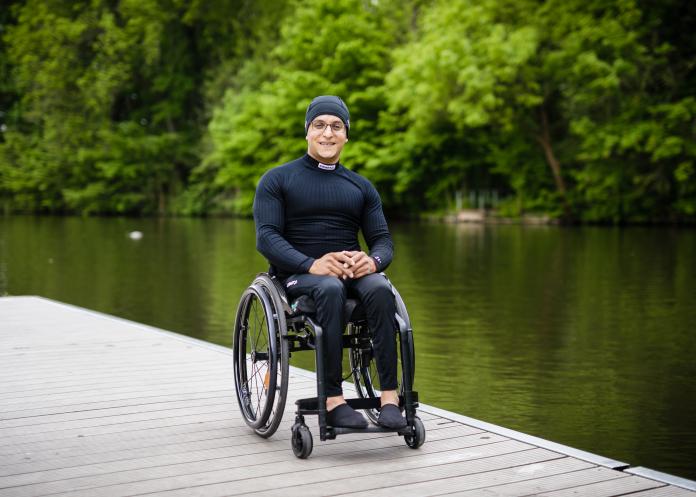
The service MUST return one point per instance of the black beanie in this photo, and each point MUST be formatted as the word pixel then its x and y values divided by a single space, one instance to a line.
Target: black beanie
pixel 327 104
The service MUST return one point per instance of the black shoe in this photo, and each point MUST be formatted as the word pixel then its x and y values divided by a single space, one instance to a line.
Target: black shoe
pixel 345 416
pixel 390 417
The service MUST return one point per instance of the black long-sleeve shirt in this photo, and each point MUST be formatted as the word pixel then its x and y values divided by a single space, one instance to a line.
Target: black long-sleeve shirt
pixel 304 210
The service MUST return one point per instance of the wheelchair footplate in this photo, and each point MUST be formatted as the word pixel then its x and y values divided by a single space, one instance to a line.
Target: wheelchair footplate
pixel 413 432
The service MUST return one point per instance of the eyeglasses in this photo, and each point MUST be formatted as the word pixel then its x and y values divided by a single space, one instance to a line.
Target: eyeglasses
pixel 336 126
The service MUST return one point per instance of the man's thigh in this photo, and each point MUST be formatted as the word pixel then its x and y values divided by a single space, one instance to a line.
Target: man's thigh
pixel 370 285
pixel 305 284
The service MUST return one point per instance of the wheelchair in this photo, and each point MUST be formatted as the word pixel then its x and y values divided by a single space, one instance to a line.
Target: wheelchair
pixel 268 329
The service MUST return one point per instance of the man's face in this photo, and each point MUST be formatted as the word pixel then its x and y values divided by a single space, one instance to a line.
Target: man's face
pixel 325 144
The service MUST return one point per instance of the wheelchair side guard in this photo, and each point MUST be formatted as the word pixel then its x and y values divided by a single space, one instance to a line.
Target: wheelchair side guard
pixel 275 290
pixel 400 305
pixel 408 359
pixel 405 331
pixel 321 372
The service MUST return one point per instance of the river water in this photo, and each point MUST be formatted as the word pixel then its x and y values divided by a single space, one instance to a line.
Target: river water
pixel 584 336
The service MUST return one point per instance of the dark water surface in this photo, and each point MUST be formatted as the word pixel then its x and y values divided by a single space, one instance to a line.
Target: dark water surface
pixel 584 336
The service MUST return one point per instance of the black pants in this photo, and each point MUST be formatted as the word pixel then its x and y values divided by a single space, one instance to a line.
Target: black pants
pixel 329 293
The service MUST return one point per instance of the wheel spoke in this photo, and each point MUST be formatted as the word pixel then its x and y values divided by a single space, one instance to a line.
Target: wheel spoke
pixel 255 373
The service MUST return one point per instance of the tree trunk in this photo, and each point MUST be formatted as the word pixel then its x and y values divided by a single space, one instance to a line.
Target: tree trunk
pixel 545 141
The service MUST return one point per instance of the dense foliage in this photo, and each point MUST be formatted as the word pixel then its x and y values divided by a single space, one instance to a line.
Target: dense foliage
pixel 583 110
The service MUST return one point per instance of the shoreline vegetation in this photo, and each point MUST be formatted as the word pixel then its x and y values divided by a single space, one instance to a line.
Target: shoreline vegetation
pixel 584 112
pixel 489 216
pixel 462 216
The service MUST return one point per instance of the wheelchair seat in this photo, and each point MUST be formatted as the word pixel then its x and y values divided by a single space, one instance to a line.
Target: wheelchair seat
pixel 353 310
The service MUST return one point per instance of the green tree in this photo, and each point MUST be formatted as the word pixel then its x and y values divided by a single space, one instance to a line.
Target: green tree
pixel 112 105
pixel 74 64
pixel 554 99
pixel 582 110
pixel 325 47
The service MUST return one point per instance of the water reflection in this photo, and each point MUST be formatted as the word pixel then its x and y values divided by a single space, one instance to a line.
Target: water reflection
pixel 580 335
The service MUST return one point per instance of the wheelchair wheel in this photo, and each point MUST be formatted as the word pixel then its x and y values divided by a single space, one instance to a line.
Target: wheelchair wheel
pixel 260 361
pixel 301 441
pixel 417 436
pixel 364 366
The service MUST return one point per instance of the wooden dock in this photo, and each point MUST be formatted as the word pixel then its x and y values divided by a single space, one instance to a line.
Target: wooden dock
pixel 93 405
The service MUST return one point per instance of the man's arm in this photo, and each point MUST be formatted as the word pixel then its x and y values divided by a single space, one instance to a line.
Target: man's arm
pixel 269 216
pixel 375 230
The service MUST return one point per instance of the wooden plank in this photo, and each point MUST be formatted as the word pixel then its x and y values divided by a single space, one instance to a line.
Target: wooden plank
pixel 111 394
pixel 545 484
pixel 227 406
pixel 607 488
pixel 121 428
pixel 93 371
pixel 236 435
pixel 69 384
pixel 61 379
pixel 19 373
pixel 51 408
pixel 11 439
pixel 107 441
pixel 252 450
pixel 470 480
pixel 169 477
pixel 398 480
pixel 50 419
pixel 141 387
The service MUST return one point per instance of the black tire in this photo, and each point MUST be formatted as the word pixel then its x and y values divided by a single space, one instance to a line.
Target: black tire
pixel 301 441
pixel 260 362
pixel 283 355
pixel 417 436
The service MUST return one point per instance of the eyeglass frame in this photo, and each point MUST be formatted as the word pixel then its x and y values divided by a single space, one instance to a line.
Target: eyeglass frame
pixel 341 126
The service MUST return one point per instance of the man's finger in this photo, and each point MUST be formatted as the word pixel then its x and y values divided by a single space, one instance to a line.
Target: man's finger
pixel 364 262
pixel 341 257
pixel 343 270
pixel 336 266
pixel 362 256
pixel 367 267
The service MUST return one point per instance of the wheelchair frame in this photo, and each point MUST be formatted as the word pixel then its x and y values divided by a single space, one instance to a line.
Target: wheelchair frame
pixel 290 329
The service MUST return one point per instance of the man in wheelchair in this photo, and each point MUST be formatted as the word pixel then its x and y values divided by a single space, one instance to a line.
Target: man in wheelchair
pixel 308 213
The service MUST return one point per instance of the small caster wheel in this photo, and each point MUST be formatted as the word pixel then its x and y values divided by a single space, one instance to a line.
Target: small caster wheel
pixel 301 441
pixel 417 436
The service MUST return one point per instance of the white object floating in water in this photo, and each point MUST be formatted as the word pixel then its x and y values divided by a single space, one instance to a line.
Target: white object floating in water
pixel 135 235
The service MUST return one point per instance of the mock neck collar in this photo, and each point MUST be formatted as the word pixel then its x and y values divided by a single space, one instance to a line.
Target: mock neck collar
pixel 315 164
